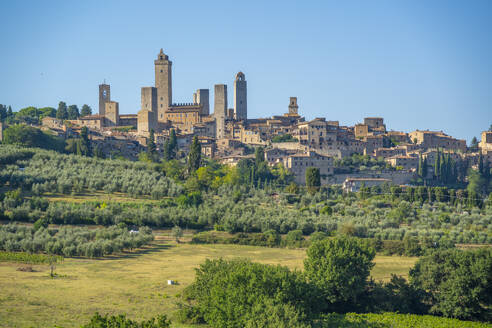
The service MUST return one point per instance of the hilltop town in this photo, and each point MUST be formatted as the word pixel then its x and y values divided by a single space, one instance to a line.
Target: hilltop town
pixel 229 135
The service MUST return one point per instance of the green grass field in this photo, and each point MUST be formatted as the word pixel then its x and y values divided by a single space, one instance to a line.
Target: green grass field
pixel 132 283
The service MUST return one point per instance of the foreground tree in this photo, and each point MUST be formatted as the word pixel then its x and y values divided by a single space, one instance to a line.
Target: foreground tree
pixel 458 282
pixel 340 268
pixel 239 293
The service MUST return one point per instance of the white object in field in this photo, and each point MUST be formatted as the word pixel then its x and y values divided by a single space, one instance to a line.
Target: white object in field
pixel 170 282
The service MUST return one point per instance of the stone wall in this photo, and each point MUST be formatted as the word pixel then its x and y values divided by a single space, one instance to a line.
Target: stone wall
pixel 397 177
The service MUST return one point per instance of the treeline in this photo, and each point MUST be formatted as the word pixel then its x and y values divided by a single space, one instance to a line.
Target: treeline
pixel 69 241
pixel 53 172
pixel 249 210
pixel 34 115
pixel 239 293
pixel 423 194
pixel 357 163
pixel 409 246
pixel 29 258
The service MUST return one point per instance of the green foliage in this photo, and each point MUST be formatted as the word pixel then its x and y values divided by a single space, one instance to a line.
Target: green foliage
pixel 234 293
pixel 86 110
pixel 73 112
pixel 170 146
pixel 71 241
pixel 356 163
pixel 195 156
pixel 22 257
pixel 339 267
pixel 121 321
pixel 393 320
pixel 397 295
pixel 284 138
pixel 151 146
pixel 177 233
pixel 29 136
pixel 53 172
pixel 313 179
pixel 61 112
pixel 458 282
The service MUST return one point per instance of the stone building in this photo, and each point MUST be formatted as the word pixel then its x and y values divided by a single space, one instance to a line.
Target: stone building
pixel 53 123
pixel 104 97
pixel 220 109
pixel 240 97
pixel 147 120
pixel 298 163
pixel 436 139
pixel 397 136
pixel 293 107
pixel 354 184
pixel 361 130
pixel 375 124
pixel 202 97
pixel 94 122
pixel 485 143
pixel 315 133
pixel 388 152
pixel 184 116
pixel 404 161
pixel 372 143
pixel 112 113
pixel 163 84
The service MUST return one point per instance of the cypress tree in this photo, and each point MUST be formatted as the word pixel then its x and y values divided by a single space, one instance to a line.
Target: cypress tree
pixel 420 170
pixel 173 144
pixel 61 112
pixel 195 156
pixel 437 165
pixel 424 168
pixel 480 163
pixel 151 147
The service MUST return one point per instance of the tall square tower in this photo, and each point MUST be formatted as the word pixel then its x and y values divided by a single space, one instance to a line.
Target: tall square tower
pixel 201 97
pixel 163 84
pixel 220 109
pixel 240 97
pixel 104 97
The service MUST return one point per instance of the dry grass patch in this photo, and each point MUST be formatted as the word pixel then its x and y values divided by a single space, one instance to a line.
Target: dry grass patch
pixel 135 284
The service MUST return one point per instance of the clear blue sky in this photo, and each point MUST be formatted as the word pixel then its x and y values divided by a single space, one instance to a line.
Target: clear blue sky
pixel 418 63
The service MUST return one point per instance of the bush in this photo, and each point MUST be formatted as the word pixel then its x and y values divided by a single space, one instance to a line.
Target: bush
pixel 339 267
pixel 458 282
pixel 121 321
pixel 234 293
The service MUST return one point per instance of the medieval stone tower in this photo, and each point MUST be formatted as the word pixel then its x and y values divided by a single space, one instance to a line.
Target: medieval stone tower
pixel 163 83
pixel 220 109
pixel 104 97
pixel 293 108
pixel 240 97
pixel 201 97
pixel 147 116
